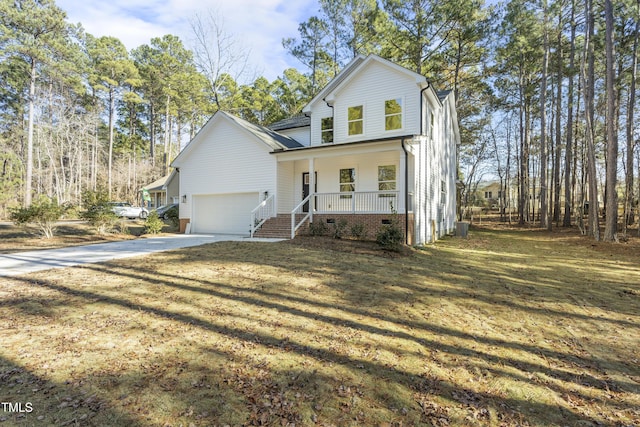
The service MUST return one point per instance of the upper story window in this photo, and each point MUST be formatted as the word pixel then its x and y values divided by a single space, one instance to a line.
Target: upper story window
pixel 327 130
pixel 432 120
pixel 393 114
pixel 355 120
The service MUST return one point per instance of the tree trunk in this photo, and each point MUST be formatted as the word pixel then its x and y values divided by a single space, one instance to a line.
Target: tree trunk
pixel 611 203
pixel 569 175
pixel 29 167
pixel 558 138
pixel 589 88
pixel 110 159
pixel 629 190
pixel 544 207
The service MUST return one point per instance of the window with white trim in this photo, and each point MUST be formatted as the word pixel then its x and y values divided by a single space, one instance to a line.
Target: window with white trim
pixel 355 120
pixel 327 130
pixel 387 179
pixel 347 182
pixel 393 114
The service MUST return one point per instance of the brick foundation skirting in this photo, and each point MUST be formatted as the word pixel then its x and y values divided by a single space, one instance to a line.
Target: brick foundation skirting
pixel 372 223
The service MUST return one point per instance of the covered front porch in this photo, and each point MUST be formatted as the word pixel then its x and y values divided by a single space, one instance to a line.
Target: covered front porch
pixel 339 181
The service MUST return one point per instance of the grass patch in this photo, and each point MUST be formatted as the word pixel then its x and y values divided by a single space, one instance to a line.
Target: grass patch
pixel 68 233
pixel 506 328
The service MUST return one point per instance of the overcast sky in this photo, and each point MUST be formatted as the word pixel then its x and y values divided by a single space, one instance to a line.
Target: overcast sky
pixel 258 25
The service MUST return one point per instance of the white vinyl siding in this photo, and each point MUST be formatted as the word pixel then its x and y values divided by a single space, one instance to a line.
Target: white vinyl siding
pixel 371 88
pixel 301 134
pixel 226 160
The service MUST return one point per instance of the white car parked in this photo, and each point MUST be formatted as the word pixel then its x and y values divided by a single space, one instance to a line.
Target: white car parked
pixel 126 210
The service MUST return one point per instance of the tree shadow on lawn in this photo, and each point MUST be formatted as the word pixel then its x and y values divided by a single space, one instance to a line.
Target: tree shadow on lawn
pixel 478 404
pixel 44 402
pixel 316 310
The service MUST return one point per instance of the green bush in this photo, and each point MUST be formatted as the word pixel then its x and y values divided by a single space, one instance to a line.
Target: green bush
pixel 43 213
pixel 391 236
pixel 153 224
pixel 318 228
pixel 174 217
pixel 98 212
pixel 359 231
pixel 339 228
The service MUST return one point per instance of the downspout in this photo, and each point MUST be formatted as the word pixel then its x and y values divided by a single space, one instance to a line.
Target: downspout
pixel 406 192
pixel 422 132
pixel 421 107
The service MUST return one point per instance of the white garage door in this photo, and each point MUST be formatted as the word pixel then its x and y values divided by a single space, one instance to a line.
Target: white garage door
pixel 223 213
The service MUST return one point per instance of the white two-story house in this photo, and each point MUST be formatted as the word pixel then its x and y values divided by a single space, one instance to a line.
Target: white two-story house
pixel 377 144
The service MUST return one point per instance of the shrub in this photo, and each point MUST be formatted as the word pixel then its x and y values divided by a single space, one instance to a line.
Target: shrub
pixel 359 231
pixel 43 213
pixel 391 236
pixel 98 213
pixel 339 228
pixel 174 217
pixel 153 224
pixel 318 228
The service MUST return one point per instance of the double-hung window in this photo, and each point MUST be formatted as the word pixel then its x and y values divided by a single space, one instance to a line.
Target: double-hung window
pixel 347 182
pixel 327 130
pixel 393 114
pixel 387 179
pixel 355 120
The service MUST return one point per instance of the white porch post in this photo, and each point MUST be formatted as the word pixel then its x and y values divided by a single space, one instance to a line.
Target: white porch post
pixel 401 179
pixel 312 188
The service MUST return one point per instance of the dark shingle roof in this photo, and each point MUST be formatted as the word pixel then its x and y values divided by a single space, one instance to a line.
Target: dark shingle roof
pixel 442 94
pixel 298 121
pixel 270 137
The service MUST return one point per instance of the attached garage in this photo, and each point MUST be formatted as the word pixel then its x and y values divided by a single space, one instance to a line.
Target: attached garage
pixel 223 213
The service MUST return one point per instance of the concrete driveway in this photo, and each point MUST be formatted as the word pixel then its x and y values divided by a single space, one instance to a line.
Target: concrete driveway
pixel 27 262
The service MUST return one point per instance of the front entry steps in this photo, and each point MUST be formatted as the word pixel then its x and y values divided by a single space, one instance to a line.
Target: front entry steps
pixel 278 227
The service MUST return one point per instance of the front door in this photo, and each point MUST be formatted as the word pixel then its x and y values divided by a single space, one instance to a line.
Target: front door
pixel 305 189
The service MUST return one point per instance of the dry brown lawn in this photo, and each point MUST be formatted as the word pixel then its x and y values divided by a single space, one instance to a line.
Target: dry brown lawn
pixel 506 328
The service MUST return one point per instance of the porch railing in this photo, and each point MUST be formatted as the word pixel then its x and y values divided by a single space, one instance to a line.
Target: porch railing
pixel 265 210
pixel 299 211
pixel 357 202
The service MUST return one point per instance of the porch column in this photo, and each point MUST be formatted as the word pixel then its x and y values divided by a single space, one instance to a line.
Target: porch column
pixel 312 187
pixel 402 187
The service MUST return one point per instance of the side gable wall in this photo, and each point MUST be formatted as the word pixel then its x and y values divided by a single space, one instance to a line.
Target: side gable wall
pixel 370 87
pixel 227 159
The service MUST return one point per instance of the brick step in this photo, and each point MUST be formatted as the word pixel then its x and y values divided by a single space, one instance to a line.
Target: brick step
pixel 277 227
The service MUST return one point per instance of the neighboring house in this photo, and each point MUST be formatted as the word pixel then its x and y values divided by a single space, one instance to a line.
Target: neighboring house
pixel 377 143
pixel 489 193
pixel 163 191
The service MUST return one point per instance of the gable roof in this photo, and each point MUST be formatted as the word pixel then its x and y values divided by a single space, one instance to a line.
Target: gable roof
pixel 157 185
pixel 351 69
pixel 297 121
pixel 442 94
pixel 271 138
